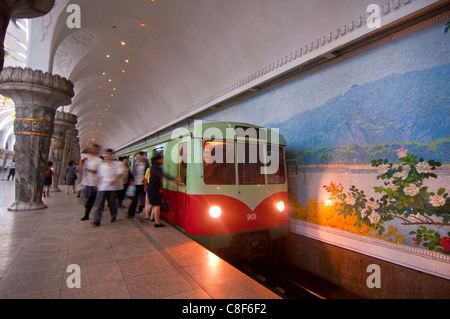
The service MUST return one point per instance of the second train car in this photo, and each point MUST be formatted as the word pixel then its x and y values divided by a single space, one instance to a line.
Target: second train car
pixel 232 198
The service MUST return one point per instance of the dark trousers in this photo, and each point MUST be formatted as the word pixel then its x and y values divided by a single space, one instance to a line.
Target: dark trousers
pixel 12 172
pixel 91 195
pixel 111 197
pixel 122 193
pixel 139 192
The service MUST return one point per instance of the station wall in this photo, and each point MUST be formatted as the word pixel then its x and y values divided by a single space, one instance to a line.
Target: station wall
pixel 370 135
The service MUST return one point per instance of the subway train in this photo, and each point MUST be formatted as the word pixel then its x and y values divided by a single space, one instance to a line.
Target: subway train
pixel 232 196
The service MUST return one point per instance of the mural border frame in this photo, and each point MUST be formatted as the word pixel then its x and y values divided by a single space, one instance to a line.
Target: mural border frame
pixel 419 259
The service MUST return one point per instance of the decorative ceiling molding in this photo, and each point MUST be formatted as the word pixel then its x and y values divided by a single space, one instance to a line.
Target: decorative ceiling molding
pixel 304 51
pixel 71 51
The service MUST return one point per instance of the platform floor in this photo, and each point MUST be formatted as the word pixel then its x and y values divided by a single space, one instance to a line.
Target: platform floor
pixel 128 259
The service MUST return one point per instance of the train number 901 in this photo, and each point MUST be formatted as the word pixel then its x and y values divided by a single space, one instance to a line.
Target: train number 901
pixel 251 216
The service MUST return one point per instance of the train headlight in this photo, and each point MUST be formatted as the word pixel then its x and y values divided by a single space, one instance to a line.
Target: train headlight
pixel 215 211
pixel 280 206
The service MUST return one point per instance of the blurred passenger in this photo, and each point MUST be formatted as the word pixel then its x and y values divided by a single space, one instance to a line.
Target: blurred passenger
pixel 109 175
pixel 12 171
pixel 127 177
pixel 90 170
pixel 48 178
pixel 71 176
pixel 139 174
pixel 154 187
pixel 81 181
pixel 147 207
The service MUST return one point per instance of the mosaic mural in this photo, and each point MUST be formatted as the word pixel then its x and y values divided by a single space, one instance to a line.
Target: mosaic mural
pixel 372 140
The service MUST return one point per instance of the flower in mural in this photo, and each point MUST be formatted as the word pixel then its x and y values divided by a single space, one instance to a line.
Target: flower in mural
pixel 404 197
pixel 445 243
pixel 374 217
pixel 382 169
pixel 412 190
pixel 350 200
pixel 373 205
pixel 423 167
pixel 402 175
pixel 401 153
pixel 437 200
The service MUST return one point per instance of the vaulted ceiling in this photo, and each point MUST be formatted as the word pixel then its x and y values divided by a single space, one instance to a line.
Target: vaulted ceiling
pixel 139 66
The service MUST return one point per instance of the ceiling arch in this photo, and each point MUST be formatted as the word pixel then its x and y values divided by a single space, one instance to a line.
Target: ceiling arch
pixel 140 66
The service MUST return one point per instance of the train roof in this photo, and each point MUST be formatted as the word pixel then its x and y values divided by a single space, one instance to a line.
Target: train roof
pixel 199 128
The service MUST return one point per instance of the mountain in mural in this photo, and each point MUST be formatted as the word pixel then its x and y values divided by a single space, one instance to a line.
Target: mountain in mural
pixel 399 108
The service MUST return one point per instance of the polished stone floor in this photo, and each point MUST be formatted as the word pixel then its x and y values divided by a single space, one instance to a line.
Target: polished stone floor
pixel 128 259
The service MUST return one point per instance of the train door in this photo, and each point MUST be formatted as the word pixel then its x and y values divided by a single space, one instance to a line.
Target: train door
pixel 181 205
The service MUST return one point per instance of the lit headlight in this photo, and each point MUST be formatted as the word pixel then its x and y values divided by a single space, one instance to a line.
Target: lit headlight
pixel 215 211
pixel 280 206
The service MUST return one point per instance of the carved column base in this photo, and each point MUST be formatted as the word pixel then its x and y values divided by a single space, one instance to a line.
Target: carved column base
pixel 22 206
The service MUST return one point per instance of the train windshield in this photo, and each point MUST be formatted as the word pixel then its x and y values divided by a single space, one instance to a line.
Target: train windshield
pixel 249 164
pixel 219 164
pixel 217 170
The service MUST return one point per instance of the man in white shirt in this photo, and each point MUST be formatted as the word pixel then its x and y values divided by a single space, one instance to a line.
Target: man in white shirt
pixel 141 166
pixel 90 170
pixel 109 184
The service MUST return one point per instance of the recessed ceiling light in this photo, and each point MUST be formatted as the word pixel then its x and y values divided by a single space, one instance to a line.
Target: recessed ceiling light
pixel 123 43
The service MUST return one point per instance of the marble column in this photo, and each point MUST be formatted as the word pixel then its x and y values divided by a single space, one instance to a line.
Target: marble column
pixel 36 95
pixel 71 135
pixel 20 9
pixel 63 122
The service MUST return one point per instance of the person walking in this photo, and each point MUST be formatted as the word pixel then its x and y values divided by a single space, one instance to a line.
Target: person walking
pixel 139 174
pixel 48 178
pixel 71 176
pixel 12 171
pixel 109 184
pixel 90 170
pixel 154 187
pixel 127 177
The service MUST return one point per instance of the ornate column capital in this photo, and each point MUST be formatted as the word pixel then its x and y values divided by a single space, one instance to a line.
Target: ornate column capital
pixel 43 89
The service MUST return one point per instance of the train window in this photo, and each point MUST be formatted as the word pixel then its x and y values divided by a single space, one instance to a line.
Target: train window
pixel 217 170
pixel 279 176
pixel 183 163
pixel 158 151
pixel 249 164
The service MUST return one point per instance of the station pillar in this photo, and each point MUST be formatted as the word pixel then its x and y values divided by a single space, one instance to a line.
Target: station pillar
pixel 36 96
pixel 70 152
pixel 63 123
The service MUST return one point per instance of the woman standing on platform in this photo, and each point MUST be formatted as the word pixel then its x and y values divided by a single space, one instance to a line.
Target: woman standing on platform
pixel 48 178
pixel 71 176
pixel 154 188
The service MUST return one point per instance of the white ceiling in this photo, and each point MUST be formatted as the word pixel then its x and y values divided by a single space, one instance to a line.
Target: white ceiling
pixel 186 52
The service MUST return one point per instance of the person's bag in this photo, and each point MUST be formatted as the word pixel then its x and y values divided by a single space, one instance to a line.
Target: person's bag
pixel 164 205
pixel 131 191
pixel 48 172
